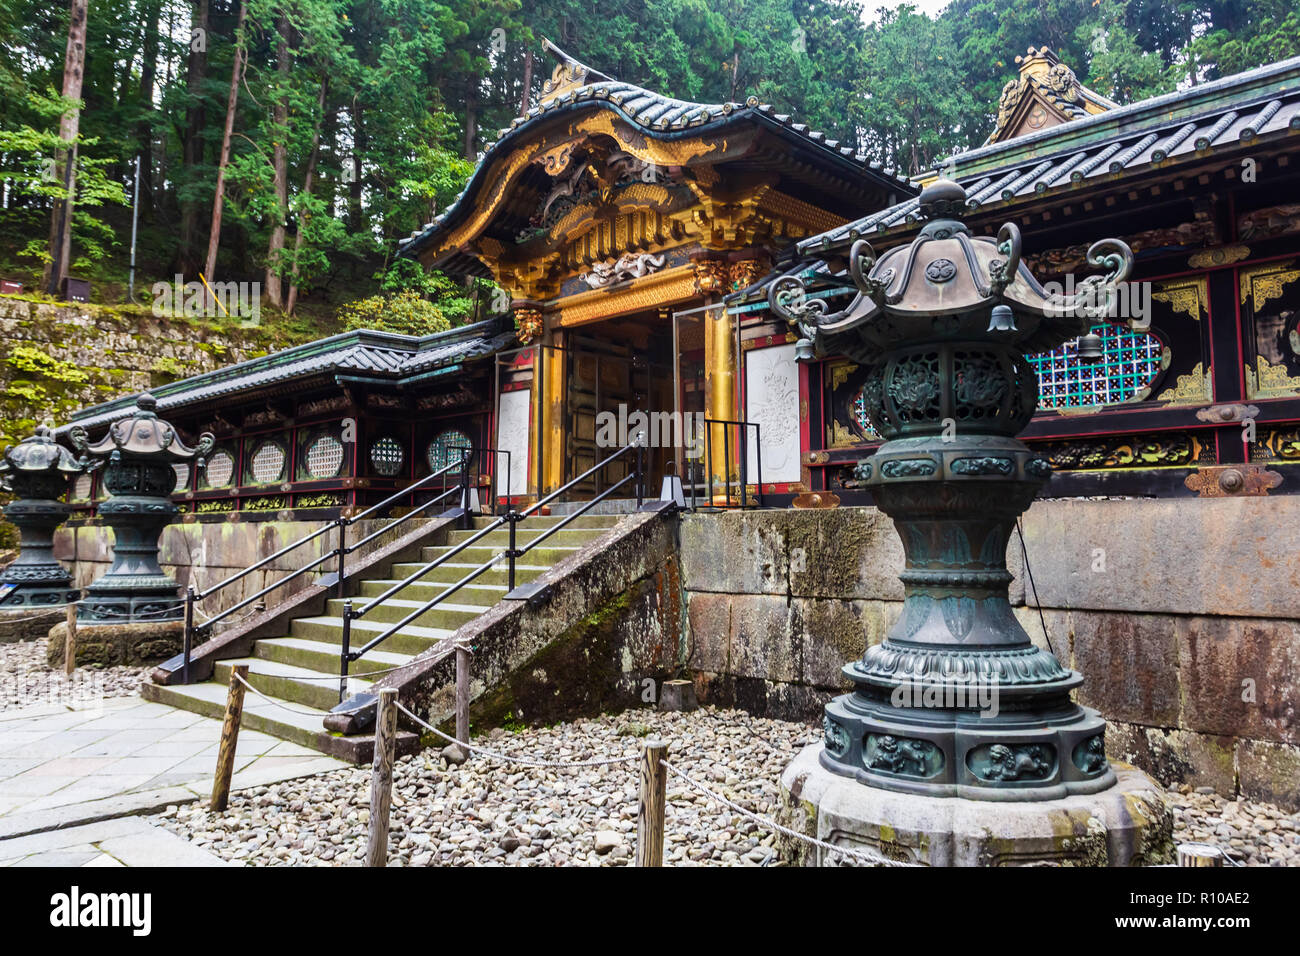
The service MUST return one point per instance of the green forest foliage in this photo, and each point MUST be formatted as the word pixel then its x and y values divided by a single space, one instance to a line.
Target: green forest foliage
pixel 382 107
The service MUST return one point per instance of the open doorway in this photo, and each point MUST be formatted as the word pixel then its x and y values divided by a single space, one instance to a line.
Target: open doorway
pixel 615 369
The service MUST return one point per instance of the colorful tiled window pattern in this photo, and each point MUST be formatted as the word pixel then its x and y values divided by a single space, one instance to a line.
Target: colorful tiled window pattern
pixel 1130 361
pixel 863 420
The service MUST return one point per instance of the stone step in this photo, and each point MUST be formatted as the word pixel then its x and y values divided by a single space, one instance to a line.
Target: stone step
pixel 291 683
pixel 448 615
pixel 453 571
pixel 500 539
pixel 544 554
pixel 411 639
pixel 303 724
pixel 548 521
pixel 323 656
pixel 482 596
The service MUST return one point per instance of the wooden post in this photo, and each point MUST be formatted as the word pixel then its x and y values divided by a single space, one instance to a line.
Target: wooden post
pixel 381 778
pixel 462 694
pixel 1198 854
pixel 229 737
pixel 70 642
pixel 650 808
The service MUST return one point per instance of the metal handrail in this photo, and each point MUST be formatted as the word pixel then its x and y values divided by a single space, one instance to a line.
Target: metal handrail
pixel 742 447
pixel 511 553
pixel 192 596
pixel 494 476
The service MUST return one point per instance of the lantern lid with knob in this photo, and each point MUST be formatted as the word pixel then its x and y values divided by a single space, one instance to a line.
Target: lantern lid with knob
pixel 949 285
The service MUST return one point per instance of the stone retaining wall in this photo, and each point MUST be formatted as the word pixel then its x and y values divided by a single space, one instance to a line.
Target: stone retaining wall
pixel 1183 615
pixel 209 552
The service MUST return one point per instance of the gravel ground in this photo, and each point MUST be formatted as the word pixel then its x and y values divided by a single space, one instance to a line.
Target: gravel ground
pixel 1257 834
pixel 486 813
pixel 27 681
pixel 483 812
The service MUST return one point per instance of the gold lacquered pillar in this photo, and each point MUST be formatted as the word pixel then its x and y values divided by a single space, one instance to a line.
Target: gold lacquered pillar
pixel 720 388
pixel 548 413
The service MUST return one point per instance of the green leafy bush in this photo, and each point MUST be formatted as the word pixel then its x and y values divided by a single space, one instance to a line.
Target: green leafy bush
pixel 406 312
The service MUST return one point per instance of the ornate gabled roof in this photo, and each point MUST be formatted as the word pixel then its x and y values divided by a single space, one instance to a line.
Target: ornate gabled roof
pixel 379 357
pixel 1165 131
pixel 1045 94
pixel 575 87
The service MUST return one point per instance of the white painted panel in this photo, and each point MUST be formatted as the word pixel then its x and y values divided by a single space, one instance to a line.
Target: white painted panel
pixel 512 436
pixel 772 400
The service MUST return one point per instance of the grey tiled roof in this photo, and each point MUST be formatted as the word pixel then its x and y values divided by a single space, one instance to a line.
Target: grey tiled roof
pixel 378 356
pixel 1121 142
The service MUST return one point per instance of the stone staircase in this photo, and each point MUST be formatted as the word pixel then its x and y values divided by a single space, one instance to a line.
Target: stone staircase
pixel 300 670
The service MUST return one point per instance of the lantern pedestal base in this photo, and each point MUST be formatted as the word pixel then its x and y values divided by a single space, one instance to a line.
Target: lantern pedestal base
pixel 1129 824
pixel 118 645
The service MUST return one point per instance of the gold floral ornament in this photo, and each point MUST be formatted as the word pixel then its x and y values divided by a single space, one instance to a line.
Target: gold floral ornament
pixel 528 325
pixel 1270 381
pixel 711 277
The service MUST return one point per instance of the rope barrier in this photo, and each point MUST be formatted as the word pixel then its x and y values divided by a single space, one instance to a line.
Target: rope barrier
pixel 869 858
pixel 272 701
pixel 30 617
pixel 523 761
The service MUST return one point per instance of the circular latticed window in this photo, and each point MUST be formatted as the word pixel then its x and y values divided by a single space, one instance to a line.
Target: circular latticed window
pixel 81 490
pixel 221 468
pixel 324 457
pixel 182 475
pixel 267 463
pixel 387 456
pixel 448 448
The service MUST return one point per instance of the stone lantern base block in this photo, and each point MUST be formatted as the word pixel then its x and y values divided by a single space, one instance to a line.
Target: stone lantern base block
pixel 1129 824
pixel 29 623
pixel 118 644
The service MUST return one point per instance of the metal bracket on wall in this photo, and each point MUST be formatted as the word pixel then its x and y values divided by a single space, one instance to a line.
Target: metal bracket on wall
pixel 1232 481
pixel 1227 413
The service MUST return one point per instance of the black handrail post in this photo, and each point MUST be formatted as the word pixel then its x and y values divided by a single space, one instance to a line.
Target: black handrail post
pixel 640 469
pixel 726 462
pixel 758 459
pixel 708 465
pixel 347 650
pixel 743 450
pixel 342 552
pixel 188 639
pixel 512 516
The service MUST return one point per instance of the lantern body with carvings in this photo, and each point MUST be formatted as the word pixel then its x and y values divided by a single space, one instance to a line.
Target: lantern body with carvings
pixel 37 471
pixel 957 700
pixel 138 454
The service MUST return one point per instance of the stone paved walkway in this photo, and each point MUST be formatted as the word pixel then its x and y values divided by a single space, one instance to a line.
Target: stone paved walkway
pixel 127 841
pixel 66 768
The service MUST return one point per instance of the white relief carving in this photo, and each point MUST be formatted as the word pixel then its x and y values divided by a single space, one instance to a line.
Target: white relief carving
pixel 628 266
pixel 512 436
pixel 772 400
